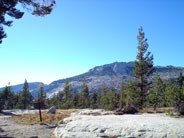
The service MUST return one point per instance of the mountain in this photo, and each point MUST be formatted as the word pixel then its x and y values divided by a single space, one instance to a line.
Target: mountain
pixel 33 87
pixel 112 75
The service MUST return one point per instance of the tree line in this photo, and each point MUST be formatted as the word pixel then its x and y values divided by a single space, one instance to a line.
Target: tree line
pixel 143 92
pixel 161 94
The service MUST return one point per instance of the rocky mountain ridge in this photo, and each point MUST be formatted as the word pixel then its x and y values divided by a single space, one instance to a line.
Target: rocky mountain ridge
pixel 112 75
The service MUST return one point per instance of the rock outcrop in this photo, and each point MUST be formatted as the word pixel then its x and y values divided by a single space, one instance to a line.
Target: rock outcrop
pixel 83 124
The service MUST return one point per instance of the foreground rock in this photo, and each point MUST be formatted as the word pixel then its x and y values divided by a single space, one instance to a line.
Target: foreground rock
pixel 9 129
pixel 86 124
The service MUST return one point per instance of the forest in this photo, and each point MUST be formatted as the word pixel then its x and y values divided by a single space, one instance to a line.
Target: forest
pixel 141 93
pixel 161 94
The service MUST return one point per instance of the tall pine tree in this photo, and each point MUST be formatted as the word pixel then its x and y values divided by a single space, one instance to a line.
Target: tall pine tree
pixel 25 97
pixel 143 66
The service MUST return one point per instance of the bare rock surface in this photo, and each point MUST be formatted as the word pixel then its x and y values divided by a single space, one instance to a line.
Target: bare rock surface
pixel 9 129
pixel 93 124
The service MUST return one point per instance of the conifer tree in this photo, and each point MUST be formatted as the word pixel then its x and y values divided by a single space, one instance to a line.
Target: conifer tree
pixel 122 101
pixel 103 97
pixel 143 66
pixel 41 101
pixel 170 89
pixel 157 93
pixel 53 101
pixel 113 100
pixel 85 96
pixel 25 97
pixel 8 98
pixel 76 98
pixel 132 94
pixel 60 100
pixel 9 7
pixel 179 95
pixel 68 96
pixel 98 102
pixel 93 100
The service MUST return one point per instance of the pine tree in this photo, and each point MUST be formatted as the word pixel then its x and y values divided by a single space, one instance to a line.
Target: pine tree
pixel 113 99
pixel 170 90
pixel 103 97
pixel 8 98
pixel 53 101
pixel 68 96
pixel 157 93
pixel 143 66
pixel 179 95
pixel 85 96
pixel 41 101
pixel 42 97
pixel 93 101
pixel 76 98
pixel 132 95
pixel 25 97
pixel 41 94
pixel 122 101
pixel 98 102
pixel 60 103
pixel 9 7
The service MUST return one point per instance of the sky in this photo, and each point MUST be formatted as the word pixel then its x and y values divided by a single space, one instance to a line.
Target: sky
pixel 81 34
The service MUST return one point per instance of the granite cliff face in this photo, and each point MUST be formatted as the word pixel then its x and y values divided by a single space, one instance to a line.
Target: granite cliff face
pixel 112 75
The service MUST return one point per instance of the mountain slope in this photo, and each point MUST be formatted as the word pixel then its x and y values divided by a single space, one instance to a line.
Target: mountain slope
pixel 113 75
pixel 33 87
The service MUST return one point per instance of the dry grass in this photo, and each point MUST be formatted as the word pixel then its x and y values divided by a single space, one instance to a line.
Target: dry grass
pixel 158 110
pixel 51 119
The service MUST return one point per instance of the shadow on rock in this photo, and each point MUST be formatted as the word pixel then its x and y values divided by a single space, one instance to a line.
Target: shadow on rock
pixel 126 110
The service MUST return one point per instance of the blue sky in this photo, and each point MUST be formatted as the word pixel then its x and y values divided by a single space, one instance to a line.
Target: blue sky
pixel 82 34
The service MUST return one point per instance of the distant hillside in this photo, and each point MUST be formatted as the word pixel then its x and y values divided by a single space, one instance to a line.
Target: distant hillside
pixel 113 75
pixel 33 87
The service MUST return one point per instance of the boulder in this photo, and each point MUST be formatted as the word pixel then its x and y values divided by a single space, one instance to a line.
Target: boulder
pixel 52 110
